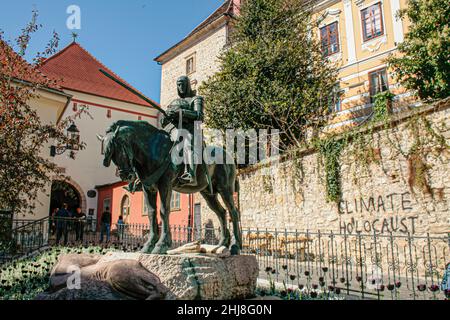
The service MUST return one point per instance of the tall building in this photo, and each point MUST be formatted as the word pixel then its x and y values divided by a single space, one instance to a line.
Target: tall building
pixel 196 56
pixel 357 35
pixel 91 185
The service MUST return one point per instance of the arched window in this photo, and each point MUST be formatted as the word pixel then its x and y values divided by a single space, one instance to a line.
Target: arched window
pixel 125 207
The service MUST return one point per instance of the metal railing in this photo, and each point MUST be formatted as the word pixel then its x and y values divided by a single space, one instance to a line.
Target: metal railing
pixel 370 266
pixel 366 265
pixel 29 236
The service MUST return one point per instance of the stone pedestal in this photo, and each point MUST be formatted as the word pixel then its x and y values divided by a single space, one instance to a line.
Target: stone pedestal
pixel 188 276
pixel 194 276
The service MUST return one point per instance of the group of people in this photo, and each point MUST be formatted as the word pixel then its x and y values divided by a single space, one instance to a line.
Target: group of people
pixel 63 221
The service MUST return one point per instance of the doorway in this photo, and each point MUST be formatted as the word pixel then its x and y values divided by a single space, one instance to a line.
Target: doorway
pixel 63 192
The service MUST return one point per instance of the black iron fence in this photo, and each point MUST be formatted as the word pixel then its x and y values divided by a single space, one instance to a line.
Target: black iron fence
pixel 369 266
pixel 30 235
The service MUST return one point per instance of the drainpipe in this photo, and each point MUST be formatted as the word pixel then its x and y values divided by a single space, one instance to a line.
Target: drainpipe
pixel 190 216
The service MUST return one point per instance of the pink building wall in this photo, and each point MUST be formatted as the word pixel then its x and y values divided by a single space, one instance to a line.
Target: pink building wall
pixel 115 192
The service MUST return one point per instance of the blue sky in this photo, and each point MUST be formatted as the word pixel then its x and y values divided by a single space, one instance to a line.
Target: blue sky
pixel 126 35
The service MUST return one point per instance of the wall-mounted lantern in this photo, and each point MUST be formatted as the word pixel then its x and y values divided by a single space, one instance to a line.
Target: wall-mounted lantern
pixel 73 144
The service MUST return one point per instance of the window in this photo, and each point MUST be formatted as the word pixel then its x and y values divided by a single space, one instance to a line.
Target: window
pixel 190 65
pixel 108 113
pixel 329 37
pixel 75 107
pixel 125 207
pixel 372 22
pixel 175 201
pixel 378 82
pixel 106 204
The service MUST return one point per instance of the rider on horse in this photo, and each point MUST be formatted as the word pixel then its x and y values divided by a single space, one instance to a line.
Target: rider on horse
pixel 183 113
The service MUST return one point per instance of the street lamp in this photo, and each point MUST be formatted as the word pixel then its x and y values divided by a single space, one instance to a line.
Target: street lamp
pixel 74 137
pixel 73 144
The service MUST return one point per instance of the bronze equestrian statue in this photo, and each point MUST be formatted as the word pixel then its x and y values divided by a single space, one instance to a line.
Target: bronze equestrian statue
pixel 142 154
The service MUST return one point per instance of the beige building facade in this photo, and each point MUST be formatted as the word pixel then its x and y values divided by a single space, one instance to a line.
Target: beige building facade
pixel 360 35
pixel 50 105
pixel 357 35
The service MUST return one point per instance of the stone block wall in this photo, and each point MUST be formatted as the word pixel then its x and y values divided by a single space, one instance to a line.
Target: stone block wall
pixel 378 199
pixel 206 51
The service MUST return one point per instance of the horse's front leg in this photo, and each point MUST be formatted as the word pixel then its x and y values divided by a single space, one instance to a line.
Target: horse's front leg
pixel 150 198
pixel 165 239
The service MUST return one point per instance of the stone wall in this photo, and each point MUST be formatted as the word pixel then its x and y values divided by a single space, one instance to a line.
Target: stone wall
pixel 206 51
pixel 380 198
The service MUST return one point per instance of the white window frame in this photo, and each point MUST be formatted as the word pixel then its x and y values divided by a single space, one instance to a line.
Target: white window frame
pixel 381 38
pixel 172 201
pixel 192 56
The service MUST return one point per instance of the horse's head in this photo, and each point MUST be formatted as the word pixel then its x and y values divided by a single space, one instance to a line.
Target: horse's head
pixel 117 149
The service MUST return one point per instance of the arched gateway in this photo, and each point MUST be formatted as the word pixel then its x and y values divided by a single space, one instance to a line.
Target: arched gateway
pixel 67 191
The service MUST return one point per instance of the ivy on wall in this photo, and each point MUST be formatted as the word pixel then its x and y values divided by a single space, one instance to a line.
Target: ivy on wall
pixel 363 145
pixel 330 151
pixel 418 142
pixel 382 105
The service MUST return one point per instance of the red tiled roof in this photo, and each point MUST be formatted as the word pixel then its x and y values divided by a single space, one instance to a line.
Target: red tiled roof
pixel 76 69
pixel 17 67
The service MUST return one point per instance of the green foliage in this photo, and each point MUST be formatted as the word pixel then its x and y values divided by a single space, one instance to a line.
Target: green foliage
pixel 273 75
pixel 330 151
pixel 424 60
pixel 26 278
pixel 381 106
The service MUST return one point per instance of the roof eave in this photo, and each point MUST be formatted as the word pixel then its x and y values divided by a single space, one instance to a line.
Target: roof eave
pixel 47 89
pixel 185 43
pixel 115 99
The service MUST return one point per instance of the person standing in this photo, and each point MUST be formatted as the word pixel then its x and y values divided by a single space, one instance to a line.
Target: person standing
pixel 120 228
pixel 80 218
pixel 62 217
pixel 105 224
pixel 52 221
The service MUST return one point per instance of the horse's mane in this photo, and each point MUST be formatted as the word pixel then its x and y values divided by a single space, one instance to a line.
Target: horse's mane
pixel 142 126
pixel 134 124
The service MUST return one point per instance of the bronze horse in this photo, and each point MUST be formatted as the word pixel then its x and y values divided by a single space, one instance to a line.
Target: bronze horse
pixel 142 154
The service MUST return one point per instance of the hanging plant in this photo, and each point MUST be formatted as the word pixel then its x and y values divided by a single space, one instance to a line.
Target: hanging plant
pixel 330 151
pixel 382 105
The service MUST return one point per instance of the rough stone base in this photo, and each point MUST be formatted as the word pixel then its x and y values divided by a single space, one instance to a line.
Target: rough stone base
pixel 194 276
pixel 90 290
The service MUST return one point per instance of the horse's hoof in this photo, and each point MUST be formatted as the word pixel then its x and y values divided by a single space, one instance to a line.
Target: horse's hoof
pixel 224 242
pixel 147 250
pixel 234 250
pixel 159 250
